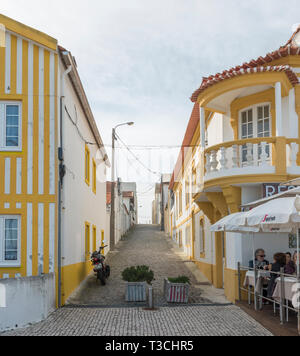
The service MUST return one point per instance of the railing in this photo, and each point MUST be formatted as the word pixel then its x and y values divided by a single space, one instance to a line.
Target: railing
pixel 284 304
pixel 251 156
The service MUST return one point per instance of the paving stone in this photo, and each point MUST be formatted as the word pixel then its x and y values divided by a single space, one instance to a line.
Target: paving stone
pixel 167 321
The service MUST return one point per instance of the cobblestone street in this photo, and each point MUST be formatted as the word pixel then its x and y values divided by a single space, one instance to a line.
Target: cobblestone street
pixel 98 310
pixel 146 245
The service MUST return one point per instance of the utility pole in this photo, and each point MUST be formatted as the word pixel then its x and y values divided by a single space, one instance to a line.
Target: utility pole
pixel 162 205
pixel 112 203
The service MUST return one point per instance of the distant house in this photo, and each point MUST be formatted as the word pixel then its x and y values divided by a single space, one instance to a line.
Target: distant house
pixel 126 209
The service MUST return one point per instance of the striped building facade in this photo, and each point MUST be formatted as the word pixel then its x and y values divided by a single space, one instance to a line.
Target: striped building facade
pixel 28 159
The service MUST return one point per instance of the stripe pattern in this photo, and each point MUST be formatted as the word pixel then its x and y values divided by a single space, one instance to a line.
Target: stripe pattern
pixel 28 75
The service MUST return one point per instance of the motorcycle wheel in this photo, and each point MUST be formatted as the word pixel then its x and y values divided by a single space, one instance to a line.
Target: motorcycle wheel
pixel 101 278
pixel 107 271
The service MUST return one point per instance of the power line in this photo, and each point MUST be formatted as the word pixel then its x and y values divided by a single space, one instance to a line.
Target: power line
pixel 157 147
pixel 77 128
pixel 136 158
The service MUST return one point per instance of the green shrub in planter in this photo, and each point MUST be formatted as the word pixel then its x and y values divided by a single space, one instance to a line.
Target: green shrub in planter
pixel 180 280
pixel 138 274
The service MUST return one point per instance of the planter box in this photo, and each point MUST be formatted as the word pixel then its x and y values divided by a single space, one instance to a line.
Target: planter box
pixel 176 292
pixel 136 292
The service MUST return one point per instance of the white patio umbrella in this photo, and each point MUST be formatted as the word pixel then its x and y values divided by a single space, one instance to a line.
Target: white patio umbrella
pixel 279 215
pixel 233 223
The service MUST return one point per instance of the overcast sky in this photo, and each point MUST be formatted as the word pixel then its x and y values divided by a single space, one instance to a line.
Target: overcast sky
pixel 141 60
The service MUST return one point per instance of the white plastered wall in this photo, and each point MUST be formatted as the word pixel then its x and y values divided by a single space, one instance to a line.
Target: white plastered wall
pixel 80 204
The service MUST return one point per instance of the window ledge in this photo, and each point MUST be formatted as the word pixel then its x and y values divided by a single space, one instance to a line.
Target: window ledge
pixel 10 265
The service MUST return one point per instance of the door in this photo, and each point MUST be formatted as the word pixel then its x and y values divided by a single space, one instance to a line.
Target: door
pixel 255 122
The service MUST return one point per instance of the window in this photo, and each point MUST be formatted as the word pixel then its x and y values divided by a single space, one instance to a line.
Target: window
pixel 87 165
pixel 10 126
pixel 188 236
pixel 202 238
pixel 187 192
pixel 94 176
pixel 180 201
pixel 180 239
pixel 87 241
pixel 94 238
pixel 10 240
pixel 255 122
pixel 194 181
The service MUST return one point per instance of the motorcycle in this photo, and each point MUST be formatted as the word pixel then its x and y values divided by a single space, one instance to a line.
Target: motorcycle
pixel 101 269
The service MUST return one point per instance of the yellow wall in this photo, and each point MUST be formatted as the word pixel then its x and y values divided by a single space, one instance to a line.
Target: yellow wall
pixel 72 276
pixel 231 285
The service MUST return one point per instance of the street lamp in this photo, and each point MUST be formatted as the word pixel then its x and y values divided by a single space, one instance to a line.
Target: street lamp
pixel 112 208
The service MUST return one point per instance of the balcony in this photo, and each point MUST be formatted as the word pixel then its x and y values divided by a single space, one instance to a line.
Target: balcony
pixel 254 156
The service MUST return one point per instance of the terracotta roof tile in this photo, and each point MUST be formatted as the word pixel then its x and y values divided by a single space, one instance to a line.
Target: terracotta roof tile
pixel 238 71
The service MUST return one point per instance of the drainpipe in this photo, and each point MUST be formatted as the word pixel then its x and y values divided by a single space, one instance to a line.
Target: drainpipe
pixel 62 171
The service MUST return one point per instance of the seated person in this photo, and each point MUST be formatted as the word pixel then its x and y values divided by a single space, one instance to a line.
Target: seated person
pixel 290 267
pixel 279 262
pixel 296 260
pixel 260 261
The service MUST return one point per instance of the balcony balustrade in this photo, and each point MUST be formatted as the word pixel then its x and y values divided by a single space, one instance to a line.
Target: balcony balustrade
pixel 266 155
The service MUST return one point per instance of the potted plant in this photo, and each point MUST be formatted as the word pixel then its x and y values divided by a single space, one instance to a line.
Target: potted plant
pixel 137 279
pixel 177 289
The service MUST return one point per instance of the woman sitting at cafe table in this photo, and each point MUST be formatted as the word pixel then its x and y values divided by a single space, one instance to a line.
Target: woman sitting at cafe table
pixel 290 267
pixel 260 261
pixel 279 262
pixel 295 258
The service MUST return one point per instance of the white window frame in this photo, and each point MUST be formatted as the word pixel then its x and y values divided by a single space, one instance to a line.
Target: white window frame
pixel 3 146
pixel 3 263
pixel 254 109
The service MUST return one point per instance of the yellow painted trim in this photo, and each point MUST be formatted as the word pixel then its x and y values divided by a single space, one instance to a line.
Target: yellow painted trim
pixel 292 61
pixel 56 175
pixel 13 68
pixel 243 81
pixel 46 238
pixel 94 174
pixel 297 97
pixel 87 165
pixel 2 70
pixel 250 178
pixel 202 222
pixel 207 209
pixel 28 32
pixel 219 203
pixel 195 211
pixel 231 285
pixel 233 197
pixel 87 239
pixel 35 238
pixel 72 276
pixel 267 96
pixel 35 119
pixel 94 238
pixel 46 119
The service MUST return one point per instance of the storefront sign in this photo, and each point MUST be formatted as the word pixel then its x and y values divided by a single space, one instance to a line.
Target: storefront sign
pixel 270 189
